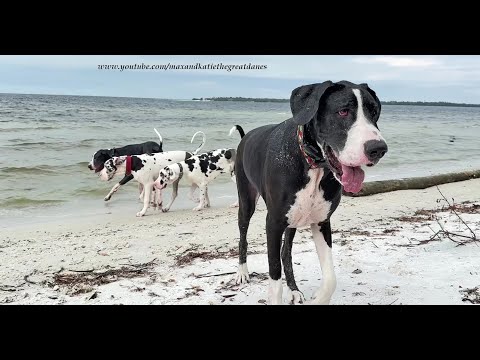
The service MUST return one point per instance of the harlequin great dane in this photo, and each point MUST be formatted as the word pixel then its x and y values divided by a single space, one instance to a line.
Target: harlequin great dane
pixel 199 171
pixel 135 151
pixel 299 167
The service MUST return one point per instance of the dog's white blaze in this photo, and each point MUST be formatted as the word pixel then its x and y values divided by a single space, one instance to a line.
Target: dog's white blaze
pixel 353 154
pixel 275 292
pixel 310 207
pixel 329 282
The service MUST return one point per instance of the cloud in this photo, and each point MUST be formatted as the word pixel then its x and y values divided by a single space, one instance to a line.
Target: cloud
pixel 398 61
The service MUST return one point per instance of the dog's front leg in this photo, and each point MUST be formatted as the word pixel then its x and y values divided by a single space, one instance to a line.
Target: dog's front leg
pixel 147 192
pixel 174 195
pixel 203 200
pixel 114 189
pixel 125 180
pixel 275 228
pixel 322 236
pixel 141 190
pixel 158 198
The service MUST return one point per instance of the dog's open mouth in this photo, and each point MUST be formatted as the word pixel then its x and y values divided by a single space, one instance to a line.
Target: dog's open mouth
pixel 351 177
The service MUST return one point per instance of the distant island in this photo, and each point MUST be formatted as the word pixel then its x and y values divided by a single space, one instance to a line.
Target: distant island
pixel 411 103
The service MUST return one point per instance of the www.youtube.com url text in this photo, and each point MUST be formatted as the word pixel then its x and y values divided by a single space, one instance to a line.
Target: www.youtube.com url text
pixel 197 66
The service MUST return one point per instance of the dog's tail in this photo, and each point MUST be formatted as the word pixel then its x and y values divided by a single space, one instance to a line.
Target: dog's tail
pixel 239 129
pixel 159 136
pixel 203 141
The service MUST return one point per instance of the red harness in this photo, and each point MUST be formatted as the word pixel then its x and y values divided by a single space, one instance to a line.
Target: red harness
pixel 128 171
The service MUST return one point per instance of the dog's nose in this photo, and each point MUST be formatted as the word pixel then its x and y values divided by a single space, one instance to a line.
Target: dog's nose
pixel 90 167
pixel 375 149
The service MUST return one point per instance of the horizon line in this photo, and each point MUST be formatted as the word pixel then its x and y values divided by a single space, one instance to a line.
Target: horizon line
pixel 212 97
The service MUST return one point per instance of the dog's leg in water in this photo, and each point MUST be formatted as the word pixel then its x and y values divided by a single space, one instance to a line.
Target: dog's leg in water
pixel 125 180
pixel 322 236
pixel 275 228
pixel 174 195
pixel 147 192
pixel 191 194
pixel 203 198
pixel 294 295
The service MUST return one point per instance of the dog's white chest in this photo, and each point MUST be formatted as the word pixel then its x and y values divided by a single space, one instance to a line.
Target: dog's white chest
pixel 310 207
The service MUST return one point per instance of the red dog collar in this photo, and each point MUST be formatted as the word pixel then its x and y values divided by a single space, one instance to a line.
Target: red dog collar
pixel 129 166
pixel 310 161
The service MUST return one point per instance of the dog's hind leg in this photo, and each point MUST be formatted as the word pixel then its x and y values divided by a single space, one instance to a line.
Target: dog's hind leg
pixel 174 195
pixel 295 296
pixel 322 236
pixel 147 188
pixel 125 180
pixel 203 198
pixel 206 197
pixel 141 190
pixel 247 196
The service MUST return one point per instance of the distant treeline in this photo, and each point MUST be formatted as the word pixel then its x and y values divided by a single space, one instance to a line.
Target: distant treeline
pixel 411 103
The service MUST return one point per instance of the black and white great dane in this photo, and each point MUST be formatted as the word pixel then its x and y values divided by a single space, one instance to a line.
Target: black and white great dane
pixel 299 167
pixel 199 171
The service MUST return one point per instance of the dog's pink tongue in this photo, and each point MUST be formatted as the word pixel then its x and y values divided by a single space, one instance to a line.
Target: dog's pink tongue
pixel 352 178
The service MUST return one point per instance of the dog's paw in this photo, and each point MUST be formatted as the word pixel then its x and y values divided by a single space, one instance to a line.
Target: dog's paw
pixel 197 208
pixel 106 198
pixel 295 297
pixel 140 214
pixel 242 276
pixel 165 210
pixel 321 297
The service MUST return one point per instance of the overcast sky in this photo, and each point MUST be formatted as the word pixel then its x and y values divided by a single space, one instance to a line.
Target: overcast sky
pixel 407 78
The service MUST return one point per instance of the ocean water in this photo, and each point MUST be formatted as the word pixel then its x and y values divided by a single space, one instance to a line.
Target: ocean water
pixel 47 141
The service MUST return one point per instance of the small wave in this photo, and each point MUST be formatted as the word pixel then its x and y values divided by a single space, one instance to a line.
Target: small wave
pixel 14 129
pixel 22 202
pixel 26 143
pixel 37 170
pixel 88 192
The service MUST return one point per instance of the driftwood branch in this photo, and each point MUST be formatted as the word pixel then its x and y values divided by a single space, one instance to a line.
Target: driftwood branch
pixel 211 275
pixel 452 207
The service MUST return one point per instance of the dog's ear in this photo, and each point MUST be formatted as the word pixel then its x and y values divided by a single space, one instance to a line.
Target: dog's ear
pixel 230 153
pixel 118 160
pixel 374 95
pixel 305 99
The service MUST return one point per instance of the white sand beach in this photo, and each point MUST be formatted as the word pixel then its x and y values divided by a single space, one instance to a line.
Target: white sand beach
pixel 380 250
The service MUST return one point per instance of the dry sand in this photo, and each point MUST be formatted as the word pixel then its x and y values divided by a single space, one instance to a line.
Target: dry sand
pixel 121 259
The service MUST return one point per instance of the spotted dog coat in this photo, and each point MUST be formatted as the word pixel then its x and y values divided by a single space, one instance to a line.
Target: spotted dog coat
pixel 137 150
pixel 199 171
pixel 145 169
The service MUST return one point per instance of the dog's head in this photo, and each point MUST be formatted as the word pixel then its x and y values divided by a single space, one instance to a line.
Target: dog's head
pixel 110 167
pixel 168 175
pixel 99 158
pixel 341 118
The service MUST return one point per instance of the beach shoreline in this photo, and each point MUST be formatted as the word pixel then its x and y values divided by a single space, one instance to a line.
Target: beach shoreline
pixel 33 255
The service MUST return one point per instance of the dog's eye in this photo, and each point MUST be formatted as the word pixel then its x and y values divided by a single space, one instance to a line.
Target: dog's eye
pixel 343 112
